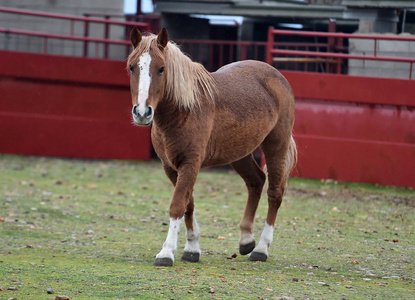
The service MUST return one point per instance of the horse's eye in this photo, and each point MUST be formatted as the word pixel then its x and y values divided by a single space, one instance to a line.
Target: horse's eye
pixel 161 70
pixel 131 69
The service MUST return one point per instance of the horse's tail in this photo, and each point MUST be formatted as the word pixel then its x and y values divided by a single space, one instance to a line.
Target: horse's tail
pixel 290 160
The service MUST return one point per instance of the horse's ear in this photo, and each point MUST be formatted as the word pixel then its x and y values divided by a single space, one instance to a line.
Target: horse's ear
pixel 135 36
pixel 162 38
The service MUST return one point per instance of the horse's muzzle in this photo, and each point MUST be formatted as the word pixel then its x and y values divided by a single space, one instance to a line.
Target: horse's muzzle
pixel 143 120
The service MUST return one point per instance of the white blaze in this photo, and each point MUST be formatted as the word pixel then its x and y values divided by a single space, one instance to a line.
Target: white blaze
pixel 144 84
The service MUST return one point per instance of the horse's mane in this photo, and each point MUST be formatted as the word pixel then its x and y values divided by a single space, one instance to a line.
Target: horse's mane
pixel 186 81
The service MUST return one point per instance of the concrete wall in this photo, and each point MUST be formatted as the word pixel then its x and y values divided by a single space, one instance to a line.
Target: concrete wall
pixel 55 26
pixel 377 68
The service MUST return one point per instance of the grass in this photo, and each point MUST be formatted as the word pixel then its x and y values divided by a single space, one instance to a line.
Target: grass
pixel 91 229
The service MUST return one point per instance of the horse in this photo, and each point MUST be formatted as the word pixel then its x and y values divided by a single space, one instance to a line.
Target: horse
pixel 201 119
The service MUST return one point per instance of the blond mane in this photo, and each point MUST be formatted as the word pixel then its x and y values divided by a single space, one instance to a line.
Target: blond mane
pixel 186 81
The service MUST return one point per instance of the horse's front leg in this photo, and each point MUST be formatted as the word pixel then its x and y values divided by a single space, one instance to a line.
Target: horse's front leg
pixel 182 200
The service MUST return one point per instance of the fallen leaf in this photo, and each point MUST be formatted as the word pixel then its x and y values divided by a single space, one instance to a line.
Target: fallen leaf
pixel 61 298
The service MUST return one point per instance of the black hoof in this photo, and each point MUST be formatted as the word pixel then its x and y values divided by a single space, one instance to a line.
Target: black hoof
pixel 258 256
pixel 190 257
pixel 246 249
pixel 163 262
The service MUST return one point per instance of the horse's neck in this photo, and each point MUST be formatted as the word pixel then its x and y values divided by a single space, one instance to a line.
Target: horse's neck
pixel 168 115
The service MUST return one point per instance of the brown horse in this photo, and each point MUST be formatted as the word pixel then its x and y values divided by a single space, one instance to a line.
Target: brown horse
pixel 201 120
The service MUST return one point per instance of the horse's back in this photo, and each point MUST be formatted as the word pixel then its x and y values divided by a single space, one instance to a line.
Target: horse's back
pixel 255 87
pixel 252 80
pixel 253 97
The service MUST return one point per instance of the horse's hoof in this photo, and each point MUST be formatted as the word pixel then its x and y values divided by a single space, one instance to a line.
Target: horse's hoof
pixel 163 262
pixel 258 256
pixel 190 256
pixel 246 249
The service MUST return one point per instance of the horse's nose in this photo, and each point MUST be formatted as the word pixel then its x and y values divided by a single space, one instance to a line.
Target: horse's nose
pixel 143 120
pixel 148 112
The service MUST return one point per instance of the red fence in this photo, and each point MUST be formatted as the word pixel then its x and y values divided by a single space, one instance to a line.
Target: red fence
pixel 347 127
pixel 352 128
pixel 67 106
pixel 332 56
pixel 357 129
pixel 214 54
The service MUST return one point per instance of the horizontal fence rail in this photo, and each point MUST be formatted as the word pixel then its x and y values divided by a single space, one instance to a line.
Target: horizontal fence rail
pixel 213 54
pixel 273 51
pixel 85 38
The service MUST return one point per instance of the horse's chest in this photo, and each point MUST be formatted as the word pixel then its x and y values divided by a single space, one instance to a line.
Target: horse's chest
pixel 169 147
pixel 159 142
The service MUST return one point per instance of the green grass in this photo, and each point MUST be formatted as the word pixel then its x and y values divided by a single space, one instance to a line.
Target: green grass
pixel 91 229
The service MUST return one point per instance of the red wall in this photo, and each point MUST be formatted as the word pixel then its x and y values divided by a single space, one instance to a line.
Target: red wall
pixel 352 128
pixel 347 128
pixel 67 106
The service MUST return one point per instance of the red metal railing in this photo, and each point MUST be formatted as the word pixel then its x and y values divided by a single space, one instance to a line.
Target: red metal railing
pixel 86 38
pixel 336 58
pixel 213 54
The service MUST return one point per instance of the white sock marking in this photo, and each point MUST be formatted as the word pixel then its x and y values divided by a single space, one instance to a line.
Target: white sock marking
pixel 170 245
pixel 192 238
pixel 265 240
pixel 246 238
pixel 144 84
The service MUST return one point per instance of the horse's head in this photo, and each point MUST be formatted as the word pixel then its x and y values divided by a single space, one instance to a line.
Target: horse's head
pixel 147 76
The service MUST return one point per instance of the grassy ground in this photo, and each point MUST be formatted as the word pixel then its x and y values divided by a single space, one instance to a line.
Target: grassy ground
pixel 91 230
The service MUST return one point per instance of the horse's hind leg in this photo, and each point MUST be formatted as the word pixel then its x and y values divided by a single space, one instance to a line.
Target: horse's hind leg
pixel 254 179
pixel 275 149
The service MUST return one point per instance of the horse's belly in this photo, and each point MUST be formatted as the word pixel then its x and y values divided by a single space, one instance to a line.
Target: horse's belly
pixel 232 145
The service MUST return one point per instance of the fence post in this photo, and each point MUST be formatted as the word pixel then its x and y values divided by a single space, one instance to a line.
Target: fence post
pixel 331 46
pixel 270 45
pixel 86 34
pixel 107 34
pixel 243 52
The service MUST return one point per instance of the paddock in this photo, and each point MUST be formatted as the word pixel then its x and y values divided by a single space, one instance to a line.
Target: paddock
pixel 90 229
